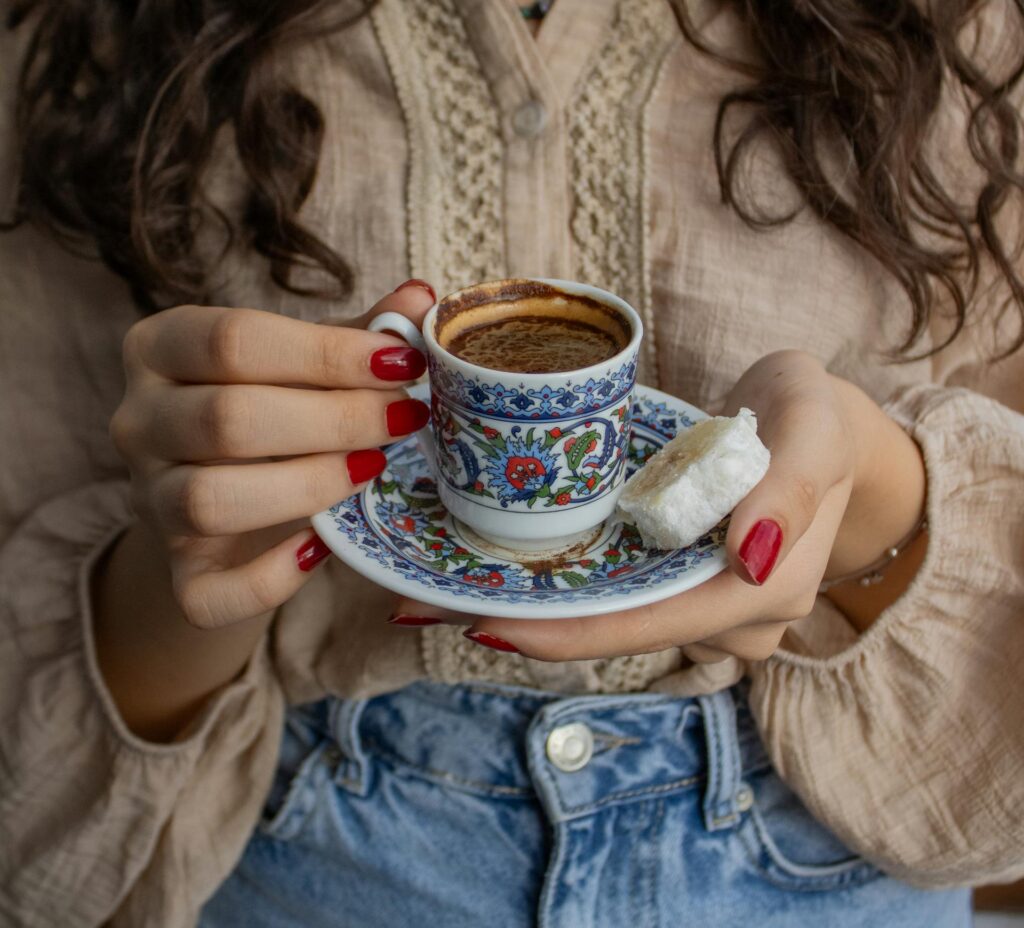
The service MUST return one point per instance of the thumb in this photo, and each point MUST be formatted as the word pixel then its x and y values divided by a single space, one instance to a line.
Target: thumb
pixel 413 299
pixel 776 513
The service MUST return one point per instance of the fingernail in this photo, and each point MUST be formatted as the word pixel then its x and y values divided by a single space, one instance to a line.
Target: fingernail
pixel 397 363
pixel 365 465
pixel 412 621
pixel 760 549
pixel 422 284
pixel 405 416
pixel 490 641
pixel 312 552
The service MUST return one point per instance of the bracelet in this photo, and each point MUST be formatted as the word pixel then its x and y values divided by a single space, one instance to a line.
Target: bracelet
pixel 875 572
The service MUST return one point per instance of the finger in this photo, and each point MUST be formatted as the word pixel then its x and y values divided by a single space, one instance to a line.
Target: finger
pixel 706 610
pixel 215 598
pixel 755 642
pixel 212 423
pixel 410 613
pixel 202 344
pixel 809 457
pixel 412 299
pixel 702 654
pixel 228 499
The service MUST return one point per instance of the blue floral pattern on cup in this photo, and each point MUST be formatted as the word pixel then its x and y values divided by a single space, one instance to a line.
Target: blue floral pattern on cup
pixel 486 450
pixel 535 466
pixel 508 400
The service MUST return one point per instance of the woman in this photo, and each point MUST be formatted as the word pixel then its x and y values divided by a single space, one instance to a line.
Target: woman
pixel 788 192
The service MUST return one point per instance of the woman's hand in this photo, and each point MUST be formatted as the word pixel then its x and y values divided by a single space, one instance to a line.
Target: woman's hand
pixel 238 425
pixel 825 507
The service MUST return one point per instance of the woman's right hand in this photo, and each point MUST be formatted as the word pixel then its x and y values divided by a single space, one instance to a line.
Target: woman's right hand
pixel 238 425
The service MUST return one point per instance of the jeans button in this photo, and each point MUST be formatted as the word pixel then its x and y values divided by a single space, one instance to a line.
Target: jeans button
pixel 744 798
pixel 570 747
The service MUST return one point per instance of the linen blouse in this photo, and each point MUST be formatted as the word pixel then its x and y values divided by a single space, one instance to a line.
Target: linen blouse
pixel 459 148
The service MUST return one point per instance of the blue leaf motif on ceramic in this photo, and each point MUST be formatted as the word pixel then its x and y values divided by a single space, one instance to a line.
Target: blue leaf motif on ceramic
pixel 660 417
pixel 500 395
pixel 517 402
pixel 548 396
pixel 521 469
pixel 590 392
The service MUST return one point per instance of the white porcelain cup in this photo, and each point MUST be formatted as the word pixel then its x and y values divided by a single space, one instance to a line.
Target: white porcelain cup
pixel 529 462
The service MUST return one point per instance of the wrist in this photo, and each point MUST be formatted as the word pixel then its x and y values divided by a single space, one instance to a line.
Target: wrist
pixel 889 485
pixel 159 670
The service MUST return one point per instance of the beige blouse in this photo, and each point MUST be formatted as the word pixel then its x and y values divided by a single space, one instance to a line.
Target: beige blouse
pixel 457 149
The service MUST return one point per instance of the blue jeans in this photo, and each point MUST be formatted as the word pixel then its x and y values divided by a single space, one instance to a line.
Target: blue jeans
pixel 473 805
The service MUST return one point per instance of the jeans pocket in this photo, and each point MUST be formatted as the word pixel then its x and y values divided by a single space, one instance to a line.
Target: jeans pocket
pixel 792 849
pixel 293 791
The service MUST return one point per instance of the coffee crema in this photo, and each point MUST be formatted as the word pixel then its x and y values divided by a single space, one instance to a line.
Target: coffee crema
pixel 530 328
pixel 534 345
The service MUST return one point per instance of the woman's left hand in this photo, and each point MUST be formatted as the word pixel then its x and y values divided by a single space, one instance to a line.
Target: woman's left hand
pixel 824 508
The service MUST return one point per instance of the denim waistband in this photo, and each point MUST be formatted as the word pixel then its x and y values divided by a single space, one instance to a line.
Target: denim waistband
pixel 500 740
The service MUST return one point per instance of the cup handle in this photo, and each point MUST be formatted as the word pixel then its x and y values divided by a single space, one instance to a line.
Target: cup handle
pixel 404 328
pixel 401 326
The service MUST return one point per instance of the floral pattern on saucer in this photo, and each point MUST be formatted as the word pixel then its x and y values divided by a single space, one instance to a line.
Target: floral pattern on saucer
pixel 399 534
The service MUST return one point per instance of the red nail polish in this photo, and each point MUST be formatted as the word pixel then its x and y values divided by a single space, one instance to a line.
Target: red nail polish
pixel 413 621
pixel 312 552
pixel 422 284
pixel 405 416
pixel 760 549
pixel 365 465
pixel 490 641
pixel 397 363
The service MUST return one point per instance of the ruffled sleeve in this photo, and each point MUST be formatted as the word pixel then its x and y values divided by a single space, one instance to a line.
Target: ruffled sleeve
pixel 95 824
pixel 909 742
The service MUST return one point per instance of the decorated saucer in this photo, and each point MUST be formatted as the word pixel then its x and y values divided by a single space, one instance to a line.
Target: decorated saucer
pixel 397 533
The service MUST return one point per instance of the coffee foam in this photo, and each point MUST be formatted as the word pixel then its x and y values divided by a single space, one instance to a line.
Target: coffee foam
pixel 489 303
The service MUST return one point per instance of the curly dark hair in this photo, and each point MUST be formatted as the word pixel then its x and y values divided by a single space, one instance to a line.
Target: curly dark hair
pixel 120 104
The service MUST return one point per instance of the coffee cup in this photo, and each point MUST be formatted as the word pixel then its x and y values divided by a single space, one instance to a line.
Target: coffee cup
pixel 529 458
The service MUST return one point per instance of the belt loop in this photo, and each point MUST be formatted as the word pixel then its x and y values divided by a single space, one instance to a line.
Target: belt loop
pixel 350 770
pixel 724 765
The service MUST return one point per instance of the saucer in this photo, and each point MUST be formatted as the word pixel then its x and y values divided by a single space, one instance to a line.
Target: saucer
pixel 397 533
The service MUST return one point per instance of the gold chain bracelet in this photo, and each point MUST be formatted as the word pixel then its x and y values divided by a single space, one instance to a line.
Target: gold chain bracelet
pixel 875 572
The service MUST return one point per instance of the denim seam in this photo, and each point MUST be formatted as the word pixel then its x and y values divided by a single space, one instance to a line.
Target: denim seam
pixel 654 829
pixel 833 877
pixel 550 884
pixel 614 798
pixel 571 705
pixel 715 775
pixel 722 782
pixel 298 798
pixel 444 775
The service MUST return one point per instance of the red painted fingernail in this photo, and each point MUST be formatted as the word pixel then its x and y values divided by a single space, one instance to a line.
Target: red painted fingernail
pixel 422 284
pixel 312 552
pixel 405 416
pixel 412 621
pixel 760 549
pixel 490 641
pixel 397 363
pixel 365 465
